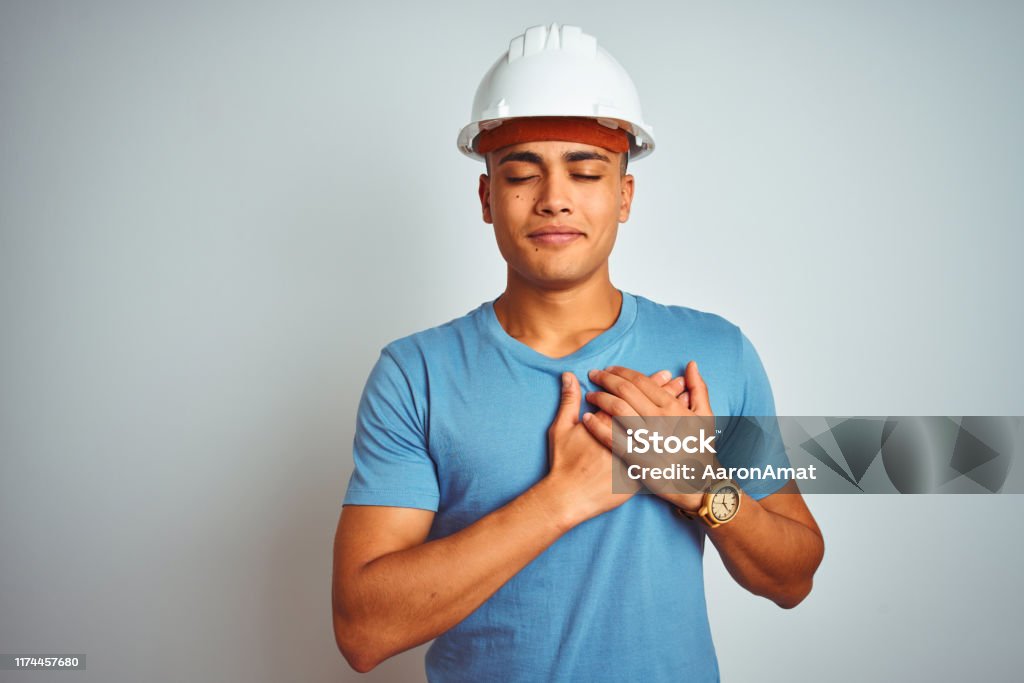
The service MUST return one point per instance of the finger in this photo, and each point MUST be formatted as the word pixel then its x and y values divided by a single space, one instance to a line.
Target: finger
pixel 611 404
pixel 628 391
pixel 602 427
pixel 599 429
pixel 569 404
pixel 604 417
pixel 700 402
pixel 675 387
pixel 650 388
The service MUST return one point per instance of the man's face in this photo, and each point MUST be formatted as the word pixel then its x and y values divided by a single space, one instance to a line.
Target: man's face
pixel 556 208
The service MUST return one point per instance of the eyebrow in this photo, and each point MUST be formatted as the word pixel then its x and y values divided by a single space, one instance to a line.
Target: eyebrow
pixel 534 158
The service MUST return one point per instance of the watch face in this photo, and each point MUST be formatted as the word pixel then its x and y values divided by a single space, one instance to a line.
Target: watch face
pixel 724 503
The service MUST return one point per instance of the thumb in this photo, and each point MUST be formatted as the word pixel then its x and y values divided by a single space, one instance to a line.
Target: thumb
pixel 569 405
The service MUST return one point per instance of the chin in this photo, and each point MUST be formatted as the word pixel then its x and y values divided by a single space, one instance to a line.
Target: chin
pixel 560 278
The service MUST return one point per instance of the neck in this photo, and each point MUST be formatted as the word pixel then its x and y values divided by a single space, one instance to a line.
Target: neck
pixel 558 321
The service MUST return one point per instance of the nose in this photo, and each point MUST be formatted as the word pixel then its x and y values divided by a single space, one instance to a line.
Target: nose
pixel 554 196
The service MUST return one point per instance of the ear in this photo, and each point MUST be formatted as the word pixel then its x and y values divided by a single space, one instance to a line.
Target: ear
pixel 625 197
pixel 485 197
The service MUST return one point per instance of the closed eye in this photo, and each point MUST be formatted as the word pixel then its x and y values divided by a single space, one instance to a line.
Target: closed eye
pixel 522 179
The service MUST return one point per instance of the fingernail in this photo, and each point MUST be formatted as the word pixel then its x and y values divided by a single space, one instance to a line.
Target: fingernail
pixel 663 374
pixel 566 382
pixel 587 417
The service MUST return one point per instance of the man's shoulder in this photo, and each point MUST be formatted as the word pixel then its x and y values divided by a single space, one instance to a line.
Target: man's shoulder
pixel 442 338
pixel 685 317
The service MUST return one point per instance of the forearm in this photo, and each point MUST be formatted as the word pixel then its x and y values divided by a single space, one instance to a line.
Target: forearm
pixel 769 554
pixel 408 597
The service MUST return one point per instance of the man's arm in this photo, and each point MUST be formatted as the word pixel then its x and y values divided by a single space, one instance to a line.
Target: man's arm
pixel 773 546
pixel 392 591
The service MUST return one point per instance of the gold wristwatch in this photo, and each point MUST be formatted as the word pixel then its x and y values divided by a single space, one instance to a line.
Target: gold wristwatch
pixel 720 505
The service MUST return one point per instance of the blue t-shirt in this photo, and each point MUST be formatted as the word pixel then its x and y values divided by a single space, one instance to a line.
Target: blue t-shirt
pixel 454 419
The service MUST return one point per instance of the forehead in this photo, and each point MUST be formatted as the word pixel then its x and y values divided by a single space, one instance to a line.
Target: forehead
pixel 550 151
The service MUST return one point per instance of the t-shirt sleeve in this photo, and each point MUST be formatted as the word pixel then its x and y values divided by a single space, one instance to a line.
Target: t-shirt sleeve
pixel 752 438
pixel 392 463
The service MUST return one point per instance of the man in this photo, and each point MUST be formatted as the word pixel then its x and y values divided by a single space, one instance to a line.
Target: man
pixel 481 512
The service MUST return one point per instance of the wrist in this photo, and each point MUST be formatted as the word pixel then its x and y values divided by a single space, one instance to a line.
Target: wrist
pixel 555 503
pixel 688 503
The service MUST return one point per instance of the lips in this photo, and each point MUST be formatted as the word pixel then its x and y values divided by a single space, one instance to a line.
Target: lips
pixel 555 234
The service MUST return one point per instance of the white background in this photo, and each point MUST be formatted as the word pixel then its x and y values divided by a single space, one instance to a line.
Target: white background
pixel 214 215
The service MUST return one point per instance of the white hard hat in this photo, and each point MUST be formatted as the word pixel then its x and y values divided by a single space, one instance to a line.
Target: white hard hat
pixel 557 71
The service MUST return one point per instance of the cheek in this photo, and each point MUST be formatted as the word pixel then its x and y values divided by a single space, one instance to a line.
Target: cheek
pixel 511 200
pixel 602 210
